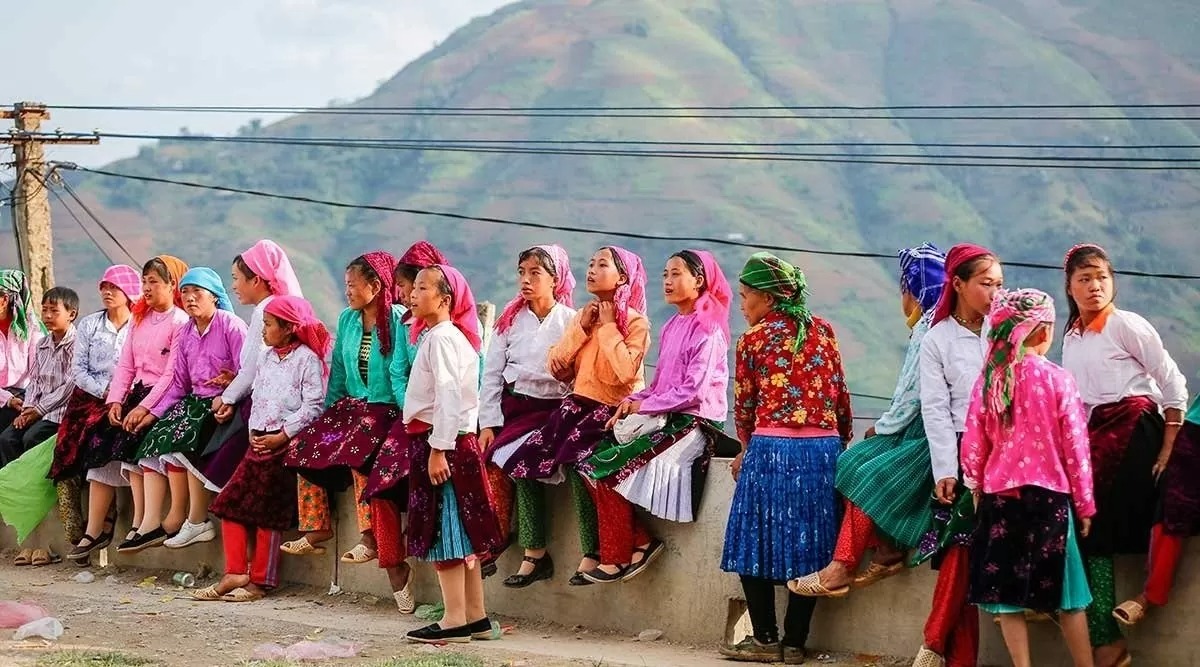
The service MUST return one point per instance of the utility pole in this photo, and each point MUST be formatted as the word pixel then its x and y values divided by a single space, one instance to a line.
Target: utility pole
pixel 30 200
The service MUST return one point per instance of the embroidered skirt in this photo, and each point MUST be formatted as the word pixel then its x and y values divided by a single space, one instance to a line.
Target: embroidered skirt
pixel 84 414
pixel 1126 438
pixel 889 478
pixel 568 438
pixel 389 472
pixel 1020 556
pixel 783 521
pixel 345 437
pixel 431 530
pixel 663 471
pixel 522 415
pixel 261 492
pixel 1180 508
pixel 227 446
pixel 110 443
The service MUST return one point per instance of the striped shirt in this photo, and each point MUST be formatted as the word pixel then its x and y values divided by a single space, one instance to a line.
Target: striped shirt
pixel 52 381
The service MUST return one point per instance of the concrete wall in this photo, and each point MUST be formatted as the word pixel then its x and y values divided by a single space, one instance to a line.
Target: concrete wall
pixel 687 596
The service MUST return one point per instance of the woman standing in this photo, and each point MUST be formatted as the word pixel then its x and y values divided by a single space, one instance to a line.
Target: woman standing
pixel 793 416
pixel 1128 381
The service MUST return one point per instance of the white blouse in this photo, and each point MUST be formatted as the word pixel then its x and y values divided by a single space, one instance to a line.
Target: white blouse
pixel 519 357
pixel 97 346
pixel 251 353
pixel 1124 358
pixel 443 388
pixel 952 359
pixel 288 393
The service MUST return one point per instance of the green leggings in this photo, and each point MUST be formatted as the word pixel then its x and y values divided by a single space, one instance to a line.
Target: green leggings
pixel 1102 627
pixel 533 516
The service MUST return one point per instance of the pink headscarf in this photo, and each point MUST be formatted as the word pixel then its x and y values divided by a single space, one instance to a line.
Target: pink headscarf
pixel 713 305
pixel 463 313
pixel 384 266
pixel 633 293
pixel 564 286
pixel 423 254
pixel 958 255
pixel 269 261
pixel 126 278
pixel 1080 246
pixel 309 330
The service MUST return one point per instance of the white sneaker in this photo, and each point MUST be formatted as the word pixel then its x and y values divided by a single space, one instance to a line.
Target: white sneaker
pixel 404 600
pixel 192 533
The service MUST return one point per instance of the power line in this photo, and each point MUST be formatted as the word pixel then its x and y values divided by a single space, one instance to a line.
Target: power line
pixel 98 221
pixel 567 228
pixel 81 226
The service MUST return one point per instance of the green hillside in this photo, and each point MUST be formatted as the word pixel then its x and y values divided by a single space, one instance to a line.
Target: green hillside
pixel 562 53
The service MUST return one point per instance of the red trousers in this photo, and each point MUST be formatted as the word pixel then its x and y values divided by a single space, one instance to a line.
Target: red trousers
pixel 388 527
pixel 500 493
pixel 620 530
pixel 264 568
pixel 952 630
pixel 1165 551
pixel 856 535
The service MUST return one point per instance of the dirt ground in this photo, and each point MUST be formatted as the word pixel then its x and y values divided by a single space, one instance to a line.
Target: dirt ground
pixel 123 619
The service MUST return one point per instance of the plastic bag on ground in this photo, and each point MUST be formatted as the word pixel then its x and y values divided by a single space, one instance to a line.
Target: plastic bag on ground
pixel 46 628
pixel 307 650
pixel 16 614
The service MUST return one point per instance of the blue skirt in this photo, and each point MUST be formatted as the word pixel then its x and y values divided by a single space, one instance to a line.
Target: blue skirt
pixel 784 519
pixel 451 541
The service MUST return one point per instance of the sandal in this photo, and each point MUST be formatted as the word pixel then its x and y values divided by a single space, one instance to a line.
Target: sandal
pixel 810 586
pixel 23 558
pixel 44 557
pixel 208 594
pixel 1129 613
pixel 240 594
pixel 649 554
pixel 360 554
pixel 877 572
pixel 301 547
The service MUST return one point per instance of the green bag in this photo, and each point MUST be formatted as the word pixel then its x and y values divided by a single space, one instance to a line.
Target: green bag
pixel 26 496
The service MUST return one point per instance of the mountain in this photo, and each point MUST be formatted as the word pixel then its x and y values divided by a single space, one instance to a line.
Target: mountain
pixel 609 53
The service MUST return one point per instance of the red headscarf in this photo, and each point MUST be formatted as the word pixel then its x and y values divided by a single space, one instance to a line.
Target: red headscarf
pixel 309 330
pixel 463 313
pixel 422 255
pixel 384 266
pixel 958 255
pixel 713 305
pixel 564 286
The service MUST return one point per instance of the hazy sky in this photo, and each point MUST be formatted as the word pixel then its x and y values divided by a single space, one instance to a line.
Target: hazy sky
pixel 220 52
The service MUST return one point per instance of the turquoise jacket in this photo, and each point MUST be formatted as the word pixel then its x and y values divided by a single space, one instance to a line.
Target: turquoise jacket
pixel 387 377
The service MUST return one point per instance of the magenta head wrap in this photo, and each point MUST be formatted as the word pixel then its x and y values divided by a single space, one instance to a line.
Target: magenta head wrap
pixel 308 329
pixel 1013 317
pixel 126 278
pixel 633 293
pixel 384 266
pixel 269 261
pixel 713 305
pixel 463 313
pixel 564 286
pixel 423 254
pixel 958 255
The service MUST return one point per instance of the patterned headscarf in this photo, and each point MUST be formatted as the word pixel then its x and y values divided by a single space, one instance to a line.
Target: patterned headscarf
pixel 767 273
pixel 125 278
pixel 1013 317
pixel 923 274
pixel 422 255
pixel 269 261
pixel 308 329
pixel 207 279
pixel 564 286
pixel 463 313
pixel 633 293
pixel 384 266
pixel 175 269
pixel 958 255
pixel 713 305
pixel 15 286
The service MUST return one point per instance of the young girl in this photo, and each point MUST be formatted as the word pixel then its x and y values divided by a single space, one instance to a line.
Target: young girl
pixel 98 341
pixel 186 433
pixel 519 394
pixel 602 354
pixel 1125 376
pixel 20 332
pixel 793 416
pixel 259 502
pixel 454 524
pixel 952 357
pixel 1026 460
pixel 361 405
pixel 658 458
pixel 141 377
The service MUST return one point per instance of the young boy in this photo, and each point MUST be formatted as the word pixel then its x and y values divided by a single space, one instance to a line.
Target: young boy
pixel 50 379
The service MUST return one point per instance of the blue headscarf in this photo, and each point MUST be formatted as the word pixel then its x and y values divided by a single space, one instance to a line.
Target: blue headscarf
pixel 206 278
pixel 923 274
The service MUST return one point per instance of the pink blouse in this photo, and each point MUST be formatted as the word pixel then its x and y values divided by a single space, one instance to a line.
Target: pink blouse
pixel 1047 445
pixel 146 357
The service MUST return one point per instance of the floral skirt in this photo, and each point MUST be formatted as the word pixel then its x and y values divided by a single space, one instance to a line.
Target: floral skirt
pixel 427 508
pixel 389 471
pixel 345 437
pixel 85 413
pixel 1180 509
pixel 522 415
pixel 1126 438
pixel 110 443
pixel 567 439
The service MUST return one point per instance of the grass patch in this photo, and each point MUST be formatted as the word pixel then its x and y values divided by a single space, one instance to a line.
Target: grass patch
pixel 451 660
pixel 92 659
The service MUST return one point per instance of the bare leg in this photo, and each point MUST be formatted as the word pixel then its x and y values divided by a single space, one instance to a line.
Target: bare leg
pixel 1075 631
pixel 155 486
pixel 1016 638
pixel 368 540
pixel 526 568
pixel 198 499
pixel 474 596
pixel 835 575
pixel 179 500
pixel 588 564
pixel 138 489
pixel 453 583
pixel 100 500
pixel 398 576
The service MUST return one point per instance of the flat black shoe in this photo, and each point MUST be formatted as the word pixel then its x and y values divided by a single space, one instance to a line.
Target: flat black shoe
pixel 481 629
pixel 543 568
pixel 81 553
pixel 434 634
pixel 649 554
pixel 488 569
pixel 598 576
pixel 139 541
pixel 578 579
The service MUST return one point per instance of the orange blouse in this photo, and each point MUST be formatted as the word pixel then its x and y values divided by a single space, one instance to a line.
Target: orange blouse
pixel 608 366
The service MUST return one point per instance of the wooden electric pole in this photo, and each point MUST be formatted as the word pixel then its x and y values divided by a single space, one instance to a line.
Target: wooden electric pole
pixel 31 200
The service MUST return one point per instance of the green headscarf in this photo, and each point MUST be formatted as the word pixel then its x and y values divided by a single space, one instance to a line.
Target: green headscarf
pixel 15 286
pixel 767 273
